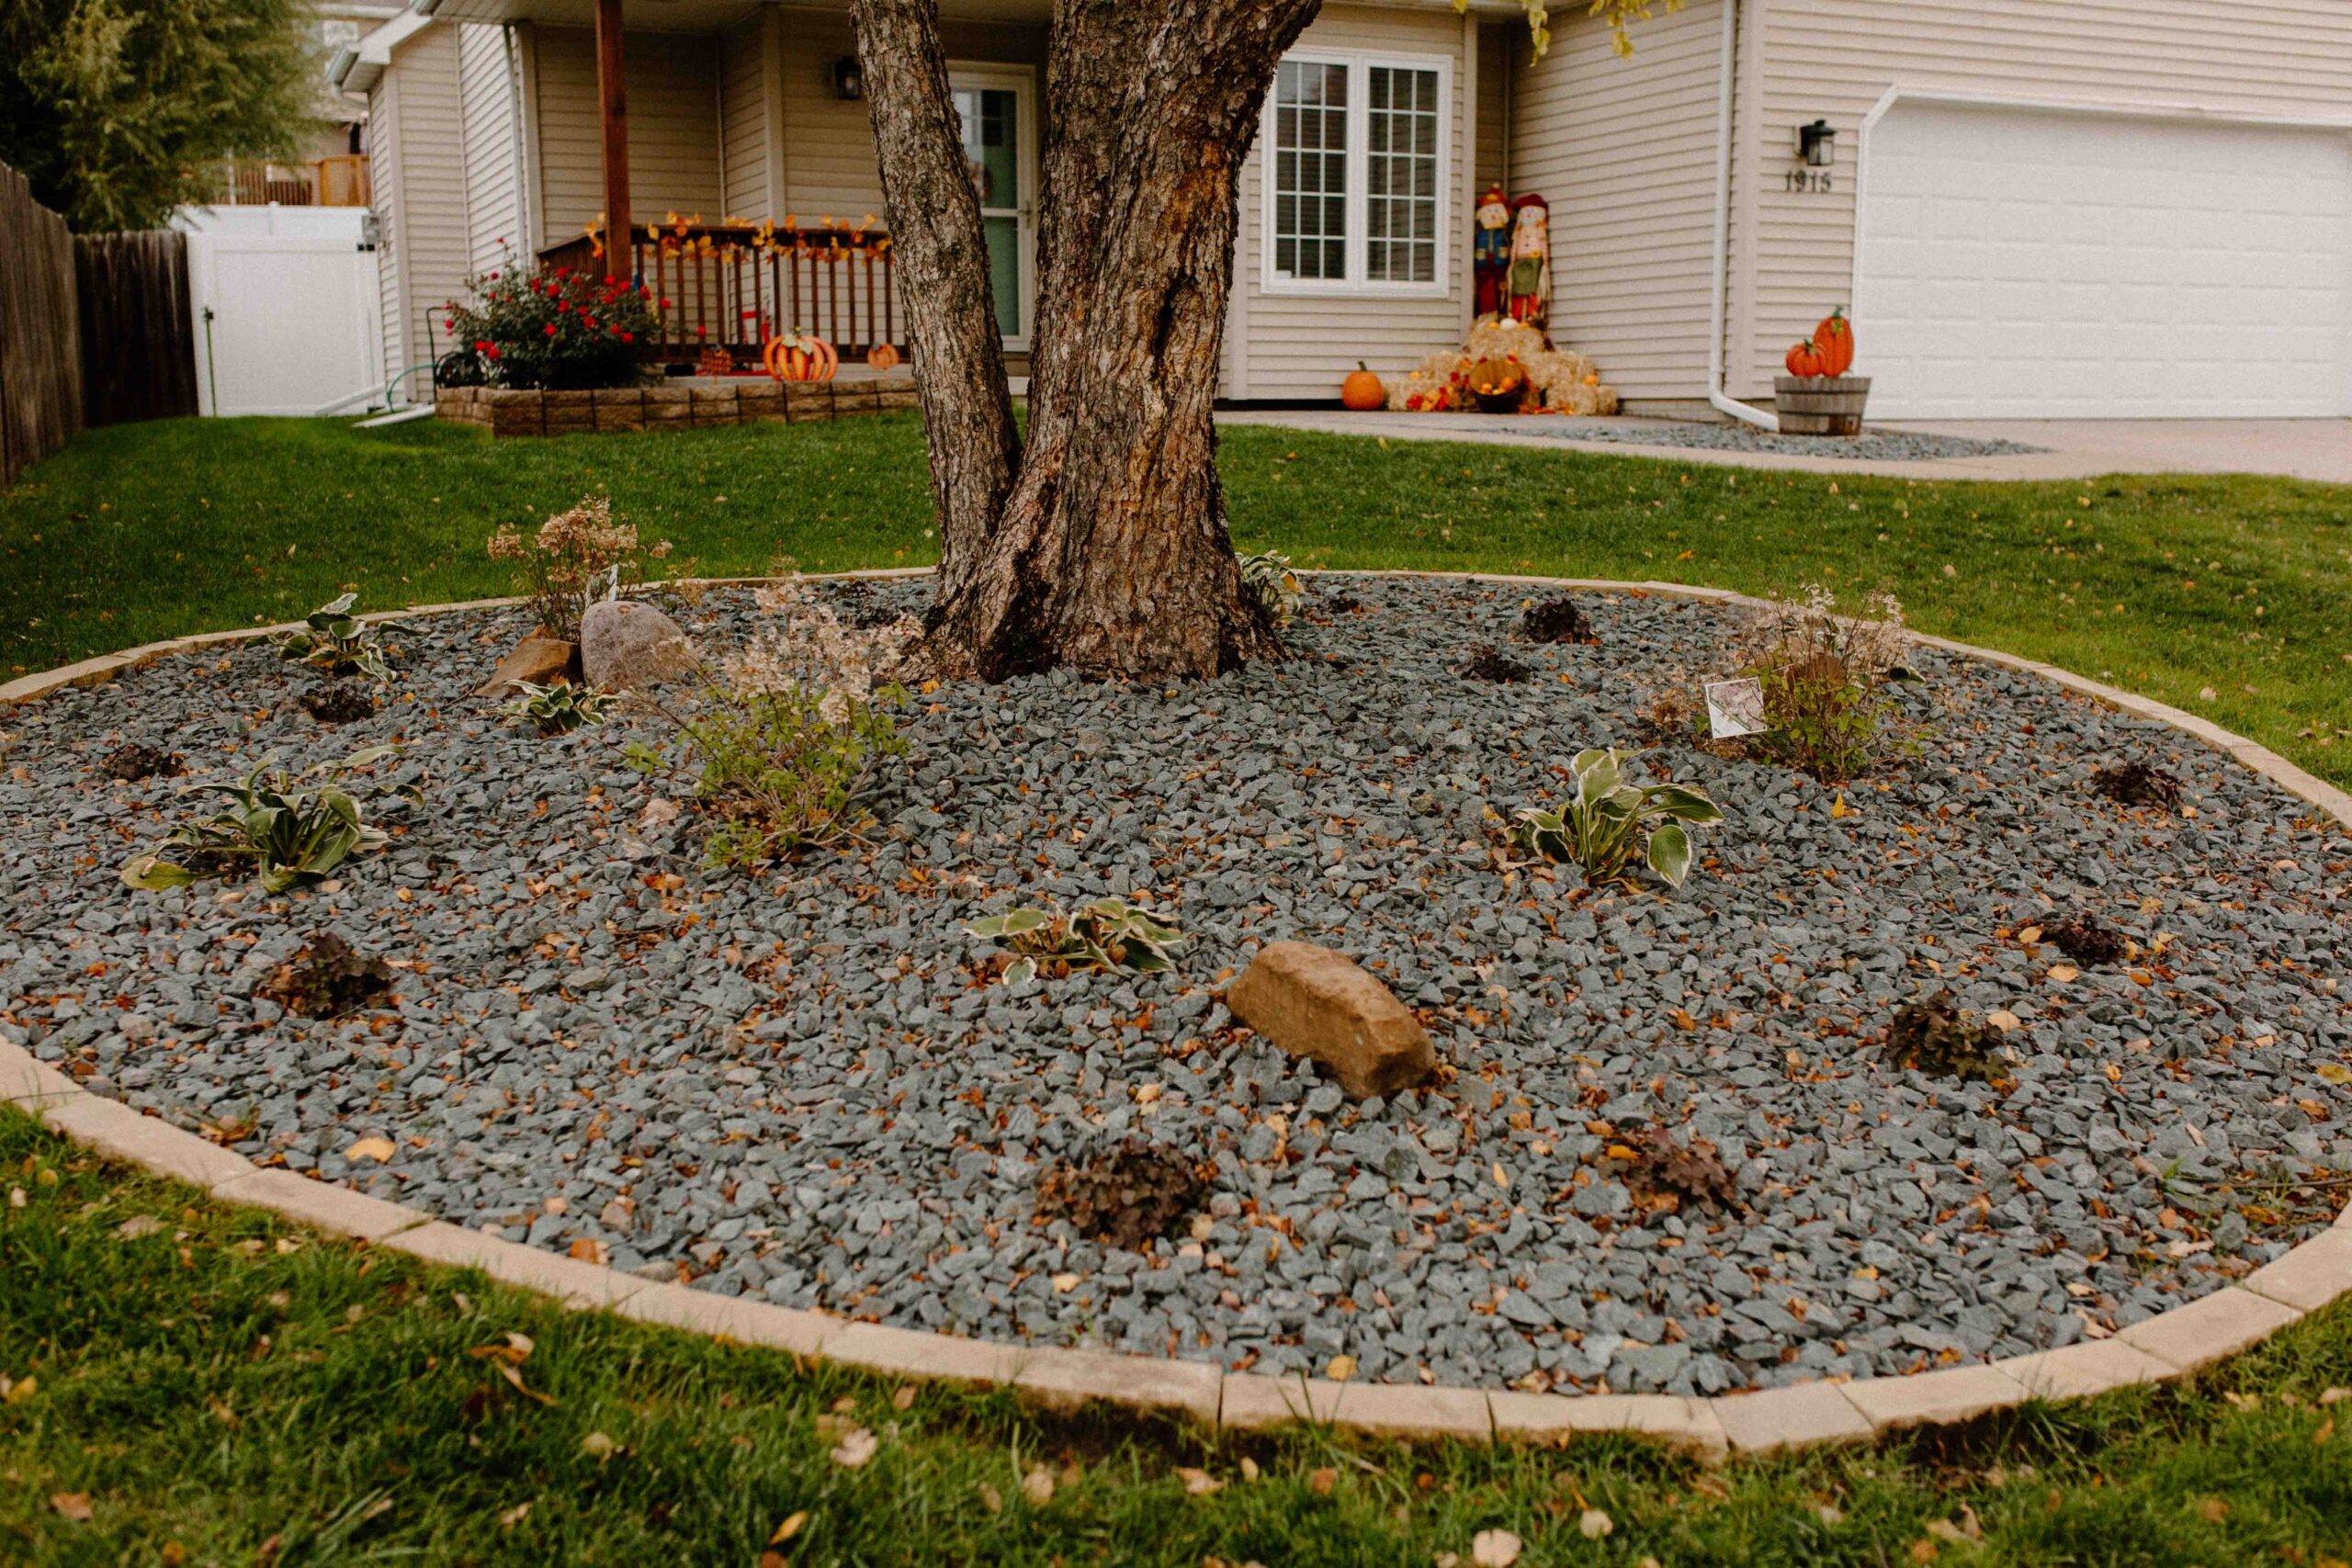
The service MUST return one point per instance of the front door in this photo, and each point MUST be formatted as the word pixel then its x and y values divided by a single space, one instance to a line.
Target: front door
pixel 1001 148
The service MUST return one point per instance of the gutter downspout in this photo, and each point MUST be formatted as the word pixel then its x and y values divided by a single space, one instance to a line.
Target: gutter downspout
pixel 1719 305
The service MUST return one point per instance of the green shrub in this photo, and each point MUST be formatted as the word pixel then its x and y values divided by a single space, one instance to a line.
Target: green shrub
pixel 275 828
pixel 1600 826
pixel 560 329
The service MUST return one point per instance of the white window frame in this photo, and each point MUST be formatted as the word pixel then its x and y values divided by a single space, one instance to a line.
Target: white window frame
pixel 1355 286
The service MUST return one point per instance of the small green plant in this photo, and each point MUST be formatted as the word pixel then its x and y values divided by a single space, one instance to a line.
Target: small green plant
pixel 1269 580
pixel 1106 934
pixel 337 642
pixel 272 826
pixel 1825 676
pixel 1600 825
pixel 780 768
pixel 559 708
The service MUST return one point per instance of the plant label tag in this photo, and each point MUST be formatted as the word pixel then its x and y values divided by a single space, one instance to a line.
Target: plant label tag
pixel 1735 708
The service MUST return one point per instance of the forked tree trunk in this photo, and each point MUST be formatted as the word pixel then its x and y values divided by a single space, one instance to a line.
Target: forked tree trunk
pixel 1106 551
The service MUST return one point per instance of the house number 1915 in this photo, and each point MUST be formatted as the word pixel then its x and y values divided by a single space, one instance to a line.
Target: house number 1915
pixel 1811 180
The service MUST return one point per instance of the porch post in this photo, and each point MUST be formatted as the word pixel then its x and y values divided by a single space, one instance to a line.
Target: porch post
pixel 612 103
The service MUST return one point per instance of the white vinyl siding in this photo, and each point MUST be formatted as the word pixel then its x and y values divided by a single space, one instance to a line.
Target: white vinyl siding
pixel 1836 59
pixel 494 224
pixel 423 253
pixel 1623 151
pixel 1291 341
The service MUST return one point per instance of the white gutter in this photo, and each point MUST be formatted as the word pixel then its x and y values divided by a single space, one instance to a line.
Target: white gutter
pixel 356 69
pixel 1720 306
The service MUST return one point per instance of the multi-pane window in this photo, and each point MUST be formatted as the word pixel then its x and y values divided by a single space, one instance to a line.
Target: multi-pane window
pixel 1400 175
pixel 1356 174
pixel 1311 170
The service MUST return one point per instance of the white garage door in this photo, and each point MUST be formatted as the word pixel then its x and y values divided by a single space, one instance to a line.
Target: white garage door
pixel 2014 263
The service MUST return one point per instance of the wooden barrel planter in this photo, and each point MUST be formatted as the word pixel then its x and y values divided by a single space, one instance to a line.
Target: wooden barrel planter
pixel 1820 405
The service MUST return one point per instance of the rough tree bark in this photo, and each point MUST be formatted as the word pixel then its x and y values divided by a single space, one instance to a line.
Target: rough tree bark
pixel 1102 544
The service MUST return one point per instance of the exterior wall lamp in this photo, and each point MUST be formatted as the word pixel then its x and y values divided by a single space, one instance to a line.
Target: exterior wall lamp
pixel 849 78
pixel 1817 144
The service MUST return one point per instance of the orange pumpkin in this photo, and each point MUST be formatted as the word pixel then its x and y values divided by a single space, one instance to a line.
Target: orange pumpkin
pixel 800 356
pixel 882 356
pixel 1804 359
pixel 1363 389
pixel 1834 336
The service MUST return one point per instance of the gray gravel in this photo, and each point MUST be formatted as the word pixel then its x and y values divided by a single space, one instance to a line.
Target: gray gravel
pixel 1873 445
pixel 798 1086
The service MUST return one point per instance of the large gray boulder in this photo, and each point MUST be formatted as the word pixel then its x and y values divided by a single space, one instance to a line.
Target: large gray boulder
pixel 624 646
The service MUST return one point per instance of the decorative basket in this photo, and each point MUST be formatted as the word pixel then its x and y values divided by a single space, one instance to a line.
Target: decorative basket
pixel 1820 405
pixel 1500 385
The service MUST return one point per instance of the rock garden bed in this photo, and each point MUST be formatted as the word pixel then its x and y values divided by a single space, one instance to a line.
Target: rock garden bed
pixel 1667 1145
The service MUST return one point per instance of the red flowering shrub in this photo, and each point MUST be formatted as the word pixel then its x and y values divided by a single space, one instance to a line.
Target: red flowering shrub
pixel 561 329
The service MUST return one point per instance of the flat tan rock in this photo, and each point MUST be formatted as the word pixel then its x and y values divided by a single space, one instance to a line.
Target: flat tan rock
pixel 541 661
pixel 1316 1003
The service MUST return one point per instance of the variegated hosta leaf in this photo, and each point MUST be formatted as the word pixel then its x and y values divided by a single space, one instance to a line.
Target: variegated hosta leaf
pixel 1685 801
pixel 155 874
pixel 1669 854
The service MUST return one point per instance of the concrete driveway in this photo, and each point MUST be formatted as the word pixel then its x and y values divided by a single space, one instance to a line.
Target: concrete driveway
pixel 2297 448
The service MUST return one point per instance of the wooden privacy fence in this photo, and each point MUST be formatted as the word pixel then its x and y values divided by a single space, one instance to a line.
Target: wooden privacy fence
pixel 138 337
pixel 41 333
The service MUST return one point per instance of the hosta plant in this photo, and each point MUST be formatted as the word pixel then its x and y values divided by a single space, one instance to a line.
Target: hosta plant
pixel 558 708
pixel 1269 580
pixel 337 642
pixel 1106 934
pixel 274 826
pixel 1602 825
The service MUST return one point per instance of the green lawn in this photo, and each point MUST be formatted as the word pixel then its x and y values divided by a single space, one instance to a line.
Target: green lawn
pixel 2239 587
pixel 192 1384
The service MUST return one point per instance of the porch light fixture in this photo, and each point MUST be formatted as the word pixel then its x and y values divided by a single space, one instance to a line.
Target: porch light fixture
pixel 849 78
pixel 1817 144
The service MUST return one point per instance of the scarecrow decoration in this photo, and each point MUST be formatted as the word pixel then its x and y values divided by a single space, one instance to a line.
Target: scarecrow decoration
pixel 1490 251
pixel 1530 282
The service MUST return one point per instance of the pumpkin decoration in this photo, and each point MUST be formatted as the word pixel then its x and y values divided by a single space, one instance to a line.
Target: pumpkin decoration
pixel 1804 359
pixel 1363 389
pixel 1835 338
pixel 882 356
pixel 800 356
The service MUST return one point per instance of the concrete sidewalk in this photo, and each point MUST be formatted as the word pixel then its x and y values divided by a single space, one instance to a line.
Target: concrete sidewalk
pixel 2297 448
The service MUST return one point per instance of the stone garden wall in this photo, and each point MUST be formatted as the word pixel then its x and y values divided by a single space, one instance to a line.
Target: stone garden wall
pixel 686 401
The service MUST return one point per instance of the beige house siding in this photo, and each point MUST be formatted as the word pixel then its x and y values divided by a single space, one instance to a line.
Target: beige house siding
pixel 743 128
pixel 1292 345
pixel 1623 150
pixel 421 201
pixel 674 166
pixel 1499 47
pixel 1835 59
pixel 826 148
pixel 495 222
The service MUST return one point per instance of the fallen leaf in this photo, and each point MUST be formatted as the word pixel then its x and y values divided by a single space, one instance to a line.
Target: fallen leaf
pixel 1923 1550
pixel 904 1399
pixel 136 1226
pixel 858 1446
pixel 1592 1524
pixel 1340 1368
pixel 74 1505
pixel 599 1447
pixel 1038 1487
pixel 1064 1283
pixel 1248 1468
pixel 514 1375
pixel 1829 1514
pixel 2003 1020
pixel 1321 1481
pixel 588 1249
pixel 21 1390
pixel 2327 1430
pixel 2212 1510
pixel 2332 1396
pixel 514 1515
pixel 1199 1482
pixel 515 1352
pixel 1496 1549
pixel 2064 973
pixel 790 1527
pixel 1838 807
pixel 380 1150
pixel 991 1499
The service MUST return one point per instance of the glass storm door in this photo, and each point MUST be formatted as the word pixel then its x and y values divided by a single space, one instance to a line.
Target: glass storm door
pixel 1000 147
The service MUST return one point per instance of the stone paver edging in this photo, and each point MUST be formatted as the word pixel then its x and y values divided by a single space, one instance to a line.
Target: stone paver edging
pixel 2171 1344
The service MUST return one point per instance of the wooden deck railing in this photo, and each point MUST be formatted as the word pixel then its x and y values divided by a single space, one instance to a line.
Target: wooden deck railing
pixel 735 285
pixel 340 181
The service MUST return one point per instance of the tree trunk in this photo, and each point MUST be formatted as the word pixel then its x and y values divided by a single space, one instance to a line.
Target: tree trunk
pixel 1108 554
